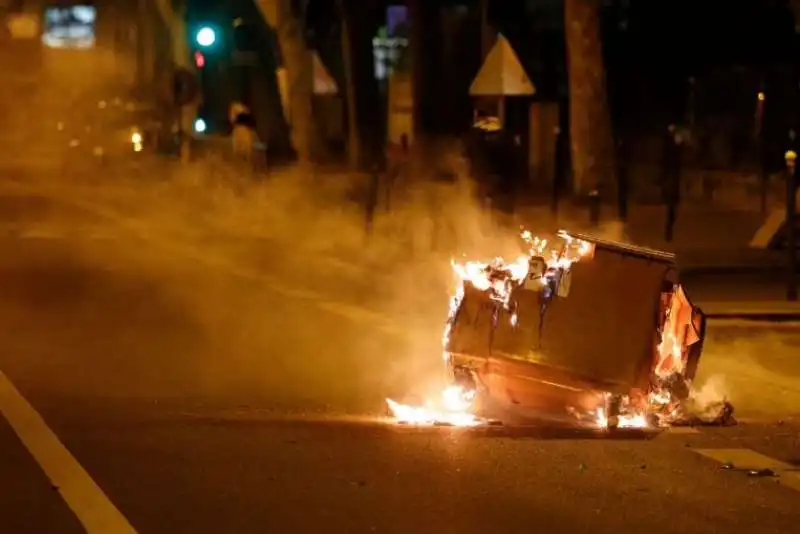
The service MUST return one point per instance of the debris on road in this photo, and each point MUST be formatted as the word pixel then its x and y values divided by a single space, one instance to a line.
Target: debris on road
pixel 762 473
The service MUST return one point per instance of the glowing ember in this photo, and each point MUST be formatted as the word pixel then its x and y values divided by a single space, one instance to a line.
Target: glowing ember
pixel 670 391
pixel 623 421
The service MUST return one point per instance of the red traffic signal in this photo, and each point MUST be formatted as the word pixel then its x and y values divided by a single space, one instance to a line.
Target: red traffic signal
pixel 199 59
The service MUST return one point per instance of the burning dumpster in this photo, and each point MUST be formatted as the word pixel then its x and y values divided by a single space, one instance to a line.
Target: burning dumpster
pixel 579 327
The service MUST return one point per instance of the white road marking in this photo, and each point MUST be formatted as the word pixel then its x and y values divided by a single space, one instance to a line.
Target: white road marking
pixel 682 430
pixel 38 234
pixel 32 232
pixel 360 314
pixel 94 510
pixel 788 475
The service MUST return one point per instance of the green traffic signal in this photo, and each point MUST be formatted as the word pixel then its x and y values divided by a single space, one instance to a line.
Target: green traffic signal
pixel 206 36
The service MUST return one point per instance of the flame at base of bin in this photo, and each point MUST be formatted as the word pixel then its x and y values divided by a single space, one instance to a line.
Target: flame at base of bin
pixel 453 409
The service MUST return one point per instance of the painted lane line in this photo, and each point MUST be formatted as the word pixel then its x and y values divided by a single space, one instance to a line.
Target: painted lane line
pixel 91 506
pixel 747 459
pixel 378 321
pixel 682 430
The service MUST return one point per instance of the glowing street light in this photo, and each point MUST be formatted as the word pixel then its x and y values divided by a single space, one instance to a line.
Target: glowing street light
pixel 791 220
pixel 199 125
pixel 206 36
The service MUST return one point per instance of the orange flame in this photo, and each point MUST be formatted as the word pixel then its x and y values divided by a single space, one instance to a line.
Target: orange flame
pixel 452 410
pixel 669 361
pixel 499 278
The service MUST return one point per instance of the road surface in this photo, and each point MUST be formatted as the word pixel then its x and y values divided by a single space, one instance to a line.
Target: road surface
pixel 192 397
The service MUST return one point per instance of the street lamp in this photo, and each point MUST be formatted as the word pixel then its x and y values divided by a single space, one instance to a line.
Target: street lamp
pixel 206 36
pixel 791 223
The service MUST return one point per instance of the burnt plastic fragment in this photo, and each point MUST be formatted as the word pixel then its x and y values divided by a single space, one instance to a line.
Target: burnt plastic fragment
pixel 762 473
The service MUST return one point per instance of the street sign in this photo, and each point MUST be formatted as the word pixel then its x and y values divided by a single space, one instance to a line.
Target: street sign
pixel 502 74
pixel 324 84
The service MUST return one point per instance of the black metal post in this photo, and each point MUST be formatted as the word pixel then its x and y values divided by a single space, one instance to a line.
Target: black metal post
pixel 669 228
pixel 763 178
pixel 791 225
pixel 558 171
pixel 372 196
pixel 623 179
pixel 594 207
pixel 673 183
pixel 761 147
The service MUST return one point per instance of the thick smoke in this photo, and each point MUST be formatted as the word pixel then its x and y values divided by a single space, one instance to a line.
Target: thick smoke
pixel 753 367
pixel 269 288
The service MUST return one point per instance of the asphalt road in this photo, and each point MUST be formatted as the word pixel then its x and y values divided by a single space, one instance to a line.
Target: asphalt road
pixel 203 399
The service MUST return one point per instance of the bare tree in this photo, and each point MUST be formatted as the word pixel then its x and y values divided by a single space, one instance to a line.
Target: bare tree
pixel 590 118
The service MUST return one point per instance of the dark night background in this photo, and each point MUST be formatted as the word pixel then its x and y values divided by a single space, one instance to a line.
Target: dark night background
pixel 653 49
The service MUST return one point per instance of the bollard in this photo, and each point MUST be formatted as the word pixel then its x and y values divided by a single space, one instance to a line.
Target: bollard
pixel 371 200
pixel 673 182
pixel 623 180
pixel 558 171
pixel 555 199
pixel 594 207
pixel 669 227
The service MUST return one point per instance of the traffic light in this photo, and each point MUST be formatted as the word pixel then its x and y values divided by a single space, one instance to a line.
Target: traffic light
pixel 199 59
pixel 205 36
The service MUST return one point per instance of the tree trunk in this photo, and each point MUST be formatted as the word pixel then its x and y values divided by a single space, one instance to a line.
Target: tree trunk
pixel 416 52
pixel 486 30
pixel 353 135
pixel 174 19
pixel 365 17
pixel 590 120
pixel 298 62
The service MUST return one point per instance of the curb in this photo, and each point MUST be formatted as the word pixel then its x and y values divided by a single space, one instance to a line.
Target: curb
pixel 755 317
pixel 756 310
pixel 762 268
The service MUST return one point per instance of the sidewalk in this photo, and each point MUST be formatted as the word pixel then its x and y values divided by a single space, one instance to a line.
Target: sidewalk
pixel 704 236
pixel 772 311
pixel 752 295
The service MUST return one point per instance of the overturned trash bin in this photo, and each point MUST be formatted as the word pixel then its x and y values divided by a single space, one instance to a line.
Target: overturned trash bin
pixel 596 330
